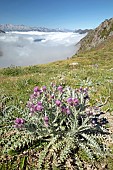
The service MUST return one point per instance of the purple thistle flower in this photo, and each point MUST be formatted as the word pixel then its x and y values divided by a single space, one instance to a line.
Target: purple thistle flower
pixel 58 103
pixel 60 88
pixel 39 103
pixel 75 101
pixel 37 94
pixel 44 88
pixel 38 108
pixel 19 122
pixel 70 101
pixel 46 121
pixel 36 89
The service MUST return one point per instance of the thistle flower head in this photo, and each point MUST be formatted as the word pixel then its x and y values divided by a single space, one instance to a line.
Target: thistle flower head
pixel 39 103
pixel 58 103
pixel 75 101
pixel 19 122
pixel 36 89
pixel 70 101
pixel 60 88
pixel 38 108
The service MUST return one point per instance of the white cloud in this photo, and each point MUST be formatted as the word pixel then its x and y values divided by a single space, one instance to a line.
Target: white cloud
pixel 29 48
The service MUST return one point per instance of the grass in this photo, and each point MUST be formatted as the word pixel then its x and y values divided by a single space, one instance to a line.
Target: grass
pixel 95 66
pixel 94 70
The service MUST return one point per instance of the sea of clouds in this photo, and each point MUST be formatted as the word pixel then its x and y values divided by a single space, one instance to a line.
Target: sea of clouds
pixel 31 48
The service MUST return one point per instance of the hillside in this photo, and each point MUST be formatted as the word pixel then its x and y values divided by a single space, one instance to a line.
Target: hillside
pixel 97 36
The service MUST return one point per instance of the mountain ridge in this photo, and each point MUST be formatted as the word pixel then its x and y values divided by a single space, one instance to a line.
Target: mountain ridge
pixel 97 36
pixel 12 27
pixel 1 31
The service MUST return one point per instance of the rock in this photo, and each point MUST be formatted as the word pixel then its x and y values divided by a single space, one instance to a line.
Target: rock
pixel 73 64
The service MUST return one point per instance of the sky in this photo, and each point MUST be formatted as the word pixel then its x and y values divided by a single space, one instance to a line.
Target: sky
pixel 70 14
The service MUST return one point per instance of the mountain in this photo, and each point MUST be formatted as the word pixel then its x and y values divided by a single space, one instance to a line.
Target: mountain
pixel 24 28
pixel 11 27
pixel 1 31
pixel 97 36
pixel 80 31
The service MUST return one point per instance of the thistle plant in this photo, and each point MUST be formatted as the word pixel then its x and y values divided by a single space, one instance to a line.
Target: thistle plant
pixel 63 119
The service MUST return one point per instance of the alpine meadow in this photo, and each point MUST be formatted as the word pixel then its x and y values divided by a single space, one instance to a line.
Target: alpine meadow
pixel 59 115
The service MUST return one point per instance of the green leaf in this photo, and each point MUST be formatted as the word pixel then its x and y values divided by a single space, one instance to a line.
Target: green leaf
pixel 23 162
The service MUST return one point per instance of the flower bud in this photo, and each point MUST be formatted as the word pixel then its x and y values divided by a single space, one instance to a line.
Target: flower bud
pixel 46 121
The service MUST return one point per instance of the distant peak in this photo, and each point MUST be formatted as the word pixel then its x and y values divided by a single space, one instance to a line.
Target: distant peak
pixel 97 36
pixel 22 27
